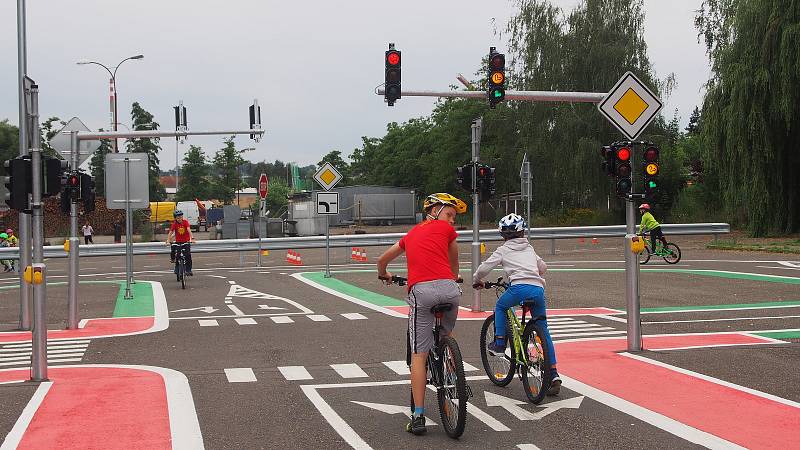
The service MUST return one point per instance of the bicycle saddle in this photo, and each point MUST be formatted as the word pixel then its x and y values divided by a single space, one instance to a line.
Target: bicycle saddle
pixel 442 307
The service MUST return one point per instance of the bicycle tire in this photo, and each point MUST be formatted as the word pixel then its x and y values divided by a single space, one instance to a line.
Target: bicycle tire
pixel 182 273
pixel 645 255
pixel 499 370
pixel 534 374
pixel 452 399
pixel 672 253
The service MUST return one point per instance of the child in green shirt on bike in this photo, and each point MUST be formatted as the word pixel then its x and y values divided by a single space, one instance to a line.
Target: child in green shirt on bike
pixel 649 224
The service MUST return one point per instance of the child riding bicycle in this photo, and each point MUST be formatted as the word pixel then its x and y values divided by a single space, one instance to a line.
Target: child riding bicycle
pixel 649 224
pixel 525 270
pixel 181 231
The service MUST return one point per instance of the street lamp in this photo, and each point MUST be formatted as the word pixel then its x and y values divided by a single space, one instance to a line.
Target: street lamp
pixel 112 90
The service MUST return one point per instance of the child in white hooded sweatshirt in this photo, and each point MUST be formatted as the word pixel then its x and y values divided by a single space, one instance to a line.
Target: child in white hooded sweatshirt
pixel 524 270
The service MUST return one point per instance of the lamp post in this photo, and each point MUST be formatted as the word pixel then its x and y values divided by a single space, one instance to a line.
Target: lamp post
pixel 112 91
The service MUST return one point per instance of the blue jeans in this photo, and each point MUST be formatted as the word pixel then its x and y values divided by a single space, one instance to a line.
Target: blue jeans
pixel 514 296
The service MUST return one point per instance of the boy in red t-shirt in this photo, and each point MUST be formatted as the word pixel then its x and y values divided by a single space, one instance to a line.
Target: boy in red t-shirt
pixel 432 260
pixel 182 232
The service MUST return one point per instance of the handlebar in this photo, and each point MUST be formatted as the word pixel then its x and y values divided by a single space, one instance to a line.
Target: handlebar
pixel 489 284
pixel 401 281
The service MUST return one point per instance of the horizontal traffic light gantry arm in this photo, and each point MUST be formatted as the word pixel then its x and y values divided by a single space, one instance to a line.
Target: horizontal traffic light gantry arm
pixel 530 96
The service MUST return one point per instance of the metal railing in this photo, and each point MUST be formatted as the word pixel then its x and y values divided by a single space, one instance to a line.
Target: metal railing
pixel 360 240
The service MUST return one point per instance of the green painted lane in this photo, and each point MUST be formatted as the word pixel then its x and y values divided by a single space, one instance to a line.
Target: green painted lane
pixel 140 305
pixel 353 291
pixel 785 304
pixel 788 334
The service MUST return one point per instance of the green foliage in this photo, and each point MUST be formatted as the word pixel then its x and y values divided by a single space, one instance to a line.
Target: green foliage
pixel 195 177
pixel 277 195
pixel 97 166
pixel 227 162
pixel 751 114
pixel 9 142
pixel 143 120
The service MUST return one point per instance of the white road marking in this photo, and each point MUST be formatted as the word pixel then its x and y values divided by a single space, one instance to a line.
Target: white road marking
pixel 484 417
pixel 292 373
pixel 208 323
pixel 283 273
pixel 392 409
pixel 282 319
pixel 572 325
pixel 785 268
pixel 398 367
pixel 240 375
pixel 264 272
pixel 246 321
pixel 49 347
pixel 793 265
pixel 469 367
pixel 14 437
pixel 350 298
pixel 217 276
pixel 319 318
pixel 349 370
pixel 601 333
pixel 228 301
pixel 353 316
pixel 15 359
pixel 235 310
pixel 231 282
pixel 612 318
pixel 722 320
pixel 527 447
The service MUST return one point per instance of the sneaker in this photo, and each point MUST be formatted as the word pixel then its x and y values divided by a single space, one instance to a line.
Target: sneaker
pixel 555 383
pixel 417 426
pixel 497 348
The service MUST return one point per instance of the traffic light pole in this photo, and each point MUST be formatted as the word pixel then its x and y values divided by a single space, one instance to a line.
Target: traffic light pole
pixel 632 269
pixel 39 335
pixel 24 229
pixel 476 245
pixel 74 242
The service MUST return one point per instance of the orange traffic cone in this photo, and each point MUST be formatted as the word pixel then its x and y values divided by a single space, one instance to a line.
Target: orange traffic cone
pixel 581 240
pixel 298 260
pixel 353 254
pixel 289 257
pixel 594 240
pixel 363 255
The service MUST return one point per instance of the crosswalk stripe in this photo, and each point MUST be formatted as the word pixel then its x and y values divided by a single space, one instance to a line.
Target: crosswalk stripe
pixel 600 333
pixel 282 319
pixel 354 316
pixel 319 318
pixel 582 330
pixel 292 373
pixel 240 375
pixel 398 367
pixel 349 370
pixel 246 321
pixel 573 325
pixel 49 342
pixel 28 357
pixel 208 322
pixel 28 349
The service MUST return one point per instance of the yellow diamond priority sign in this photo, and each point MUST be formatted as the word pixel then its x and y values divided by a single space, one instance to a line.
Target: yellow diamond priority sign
pixel 630 106
pixel 327 176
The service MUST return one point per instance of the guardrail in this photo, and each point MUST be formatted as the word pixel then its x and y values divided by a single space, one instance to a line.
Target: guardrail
pixel 360 240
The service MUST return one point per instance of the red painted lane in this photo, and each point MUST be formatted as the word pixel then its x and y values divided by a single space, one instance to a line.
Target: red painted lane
pixel 94 328
pixel 99 408
pixel 736 416
pixel 466 314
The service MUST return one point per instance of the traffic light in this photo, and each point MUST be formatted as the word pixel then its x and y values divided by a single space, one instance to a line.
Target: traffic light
pixel 650 170
pixel 18 183
pixel 495 84
pixel 53 173
pixel 392 89
pixel 486 182
pixel 87 192
pixel 622 168
pixel 72 187
pixel 608 160
pixel 464 176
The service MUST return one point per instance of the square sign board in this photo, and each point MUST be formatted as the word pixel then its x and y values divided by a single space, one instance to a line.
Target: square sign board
pixel 630 106
pixel 327 176
pixel 328 203
pixel 138 180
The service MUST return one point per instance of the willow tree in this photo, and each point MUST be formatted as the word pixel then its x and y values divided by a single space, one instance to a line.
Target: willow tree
pixel 751 112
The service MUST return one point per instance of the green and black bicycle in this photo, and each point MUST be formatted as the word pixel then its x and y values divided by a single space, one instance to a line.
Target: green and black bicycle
pixel 670 252
pixel 525 353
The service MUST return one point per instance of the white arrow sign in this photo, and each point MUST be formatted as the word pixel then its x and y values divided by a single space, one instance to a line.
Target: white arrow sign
pixel 205 309
pixel 512 406
pixel 392 409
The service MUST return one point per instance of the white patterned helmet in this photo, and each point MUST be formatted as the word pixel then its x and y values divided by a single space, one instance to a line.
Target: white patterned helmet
pixel 512 223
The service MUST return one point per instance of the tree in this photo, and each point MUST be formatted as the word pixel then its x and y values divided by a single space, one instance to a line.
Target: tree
pixel 751 111
pixel 97 166
pixel 334 157
pixel 9 142
pixel 195 176
pixel 143 120
pixel 277 195
pixel 227 161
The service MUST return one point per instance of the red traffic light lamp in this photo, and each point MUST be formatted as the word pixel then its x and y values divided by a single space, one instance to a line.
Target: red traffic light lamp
pixel 392 90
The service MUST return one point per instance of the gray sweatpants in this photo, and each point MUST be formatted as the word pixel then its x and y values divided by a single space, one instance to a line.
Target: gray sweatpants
pixel 422 297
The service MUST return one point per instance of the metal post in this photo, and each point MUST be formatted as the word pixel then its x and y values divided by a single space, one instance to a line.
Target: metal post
pixel 177 166
pixel 128 232
pixel 260 222
pixel 112 92
pixel 632 273
pixel 23 232
pixel 476 245
pixel 327 246
pixel 39 335
pixel 74 243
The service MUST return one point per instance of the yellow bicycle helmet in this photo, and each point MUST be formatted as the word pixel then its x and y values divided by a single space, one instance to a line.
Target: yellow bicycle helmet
pixel 443 198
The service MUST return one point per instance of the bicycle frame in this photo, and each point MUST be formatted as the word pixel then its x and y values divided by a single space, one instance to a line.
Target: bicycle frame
pixel 516 332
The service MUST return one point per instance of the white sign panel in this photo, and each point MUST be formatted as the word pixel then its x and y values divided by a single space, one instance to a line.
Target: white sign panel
pixel 630 106
pixel 60 141
pixel 328 203
pixel 138 186
pixel 327 176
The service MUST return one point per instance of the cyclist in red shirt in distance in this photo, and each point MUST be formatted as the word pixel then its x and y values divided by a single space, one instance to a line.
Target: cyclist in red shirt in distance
pixel 181 231
pixel 432 259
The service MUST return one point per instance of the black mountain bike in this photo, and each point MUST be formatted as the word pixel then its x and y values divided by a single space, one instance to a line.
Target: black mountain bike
pixel 445 373
pixel 525 352
pixel 180 262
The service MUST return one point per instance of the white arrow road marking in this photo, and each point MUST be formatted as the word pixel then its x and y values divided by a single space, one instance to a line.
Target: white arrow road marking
pixel 241 291
pixel 392 409
pixel 205 309
pixel 483 416
pixel 527 447
pixel 510 405
pixel 791 264
pixel 269 307
pixel 571 403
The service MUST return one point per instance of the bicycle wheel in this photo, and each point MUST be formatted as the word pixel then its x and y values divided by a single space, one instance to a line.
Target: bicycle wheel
pixel 672 253
pixel 182 273
pixel 452 395
pixel 645 255
pixel 499 369
pixel 534 374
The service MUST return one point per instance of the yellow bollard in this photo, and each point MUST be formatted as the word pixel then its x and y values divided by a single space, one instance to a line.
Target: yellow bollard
pixel 66 246
pixel 483 248
pixel 264 252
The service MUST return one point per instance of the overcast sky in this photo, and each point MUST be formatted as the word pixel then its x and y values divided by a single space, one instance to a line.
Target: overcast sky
pixel 313 66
